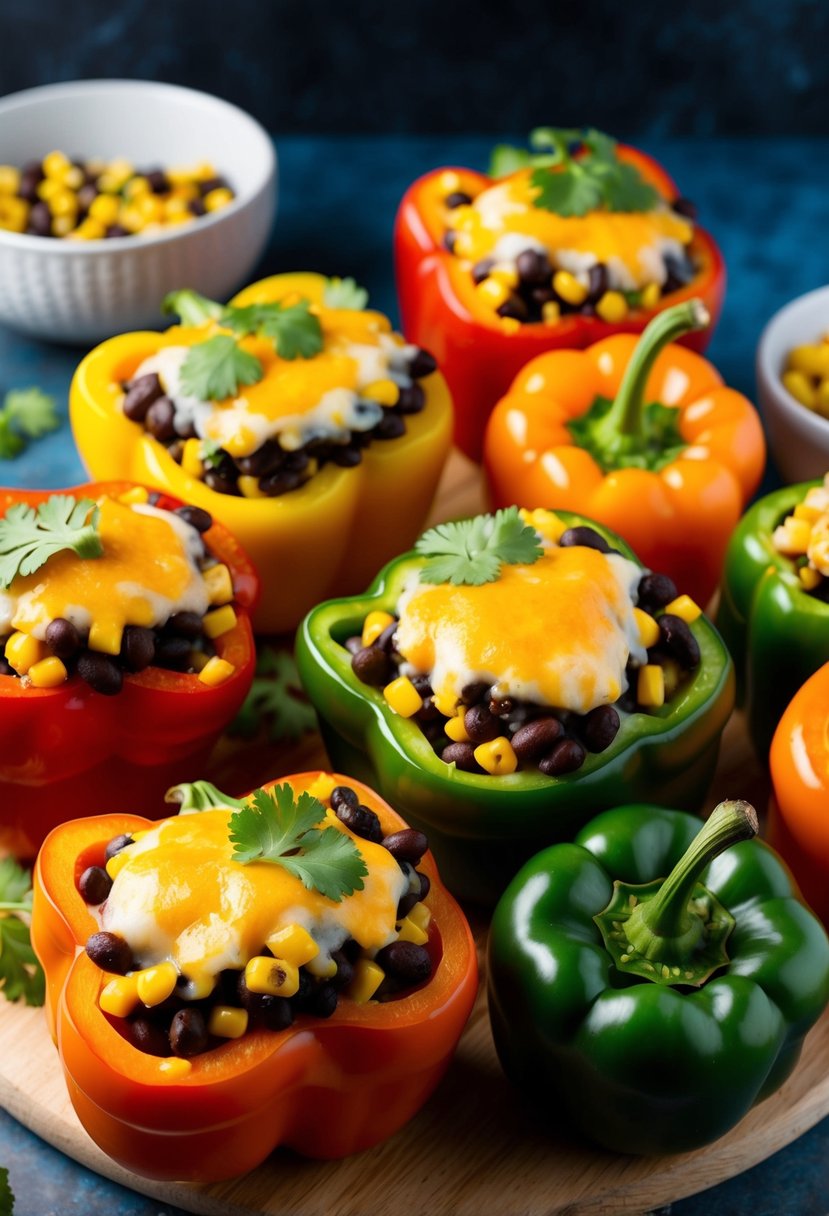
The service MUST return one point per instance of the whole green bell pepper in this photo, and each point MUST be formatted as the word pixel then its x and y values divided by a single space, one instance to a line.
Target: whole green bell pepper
pixel 777 633
pixel 652 1013
pixel 482 827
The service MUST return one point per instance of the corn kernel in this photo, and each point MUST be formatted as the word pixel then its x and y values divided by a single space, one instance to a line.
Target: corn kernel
pixel 73 178
pixel 793 536
pixel 456 729
pixel 176 1068
pixel 810 514
pixel 115 864
pixel 420 916
pixel 119 997
pixel 105 638
pixel 63 202
pixel 800 387
pixel 151 208
pixel 272 976
pixel 822 406
pixel 48 188
pixel 48 673
pixel 121 167
pixel 23 651
pixel 811 360
pixel 155 984
pixel 131 219
pixel 446 703
pixel 492 292
pixel 373 626
pixel 218 198
pixel 322 966
pixel 227 1022
pixel 104 209
pixel 403 697
pixel 88 230
pixel 568 287
pixel 295 945
pixel 219 621
pixel 216 671
pixel 809 577
pixel 510 325
pixel 550 312
pixel 547 523
pixel 9 179
pixel 651 295
pixel 650 686
pixel 497 757
pixel 368 976
pixel 322 787
pixel 507 275
pixel 55 165
pixel 191 461
pixel 685 607
pixel 219 583
pixel 136 188
pixel 136 496
pixel 14 214
pixel 648 628
pixel 384 392
pixel 62 225
pixel 174 207
pixel 411 932
pixel 612 307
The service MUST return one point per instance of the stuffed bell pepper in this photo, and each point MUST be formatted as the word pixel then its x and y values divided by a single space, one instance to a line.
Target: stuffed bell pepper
pixel 557 249
pixel 285 969
pixel 293 415
pixel 511 677
pixel 774 609
pixel 649 989
pixel 639 434
pixel 125 650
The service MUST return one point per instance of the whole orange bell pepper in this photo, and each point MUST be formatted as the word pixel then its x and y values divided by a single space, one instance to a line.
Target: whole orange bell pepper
pixel 799 811
pixel 324 1088
pixel 638 434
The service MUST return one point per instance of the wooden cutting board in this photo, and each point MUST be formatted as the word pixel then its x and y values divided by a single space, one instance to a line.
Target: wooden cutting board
pixel 472 1149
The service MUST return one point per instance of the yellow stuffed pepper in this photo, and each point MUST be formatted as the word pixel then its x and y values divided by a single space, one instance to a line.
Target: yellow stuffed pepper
pixel 294 415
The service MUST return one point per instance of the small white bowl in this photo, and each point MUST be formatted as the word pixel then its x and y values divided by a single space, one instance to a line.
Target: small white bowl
pixel 84 291
pixel 799 438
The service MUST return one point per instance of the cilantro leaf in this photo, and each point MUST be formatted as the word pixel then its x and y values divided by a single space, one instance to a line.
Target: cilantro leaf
pixel 344 293
pixel 280 829
pixel 276 698
pixel 211 453
pixel 566 193
pixel 28 538
pixel 213 370
pixel 294 329
pixel 6 1195
pixel 21 976
pixel 626 190
pixel 26 413
pixel 472 551
pixel 191 308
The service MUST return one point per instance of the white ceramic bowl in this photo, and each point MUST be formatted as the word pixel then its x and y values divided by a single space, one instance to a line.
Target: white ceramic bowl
pixel 799 438
pixel 84 291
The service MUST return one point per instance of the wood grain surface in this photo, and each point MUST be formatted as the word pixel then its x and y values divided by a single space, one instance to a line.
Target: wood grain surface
pixel 472 1149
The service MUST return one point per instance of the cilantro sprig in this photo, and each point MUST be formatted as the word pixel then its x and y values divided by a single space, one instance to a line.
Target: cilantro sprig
pixel 215 369
pixel 29 537
pixel 6 1194
pixel 21 976
pixel 275 700
pixel 576 171
pixel 26 413
pixel 278 828
pixel 472 551
pixel 344 293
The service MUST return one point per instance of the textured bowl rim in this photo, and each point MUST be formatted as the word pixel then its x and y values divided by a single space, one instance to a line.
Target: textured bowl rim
pixel 768 375
pixel 110 245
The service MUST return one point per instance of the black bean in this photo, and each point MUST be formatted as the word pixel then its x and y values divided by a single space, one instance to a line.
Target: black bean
pixel 148 1037
pixel 655 591
pixel 412 399
pixel 390 426
pixel 501 707
pixel 222 483
pixel 158 181
pixel 514 308
pixel 406 962
pixel 31 175
pixel 480 724
pixel 196 207
pixel 110 952
pixel 6 668
pixel 115 230
pixel 449 239
pixel 565 757
pixel 536 738
pixel 159 419
pixel 116 845
pixel 212 183
pixel 361 821
pixel 188 1033
pixel 86 196
pixel 322 1000
pixel 94 885
pixel 173 653
pixel 597 282
pixel 423 364
pixel 354 644
pixel 275 1013
pixel 680 272
pixel 407 845
pixel 264 460
pixel 185 428
pixel 542 295
pixel 385 641
pixel 471 694
pixel 346 456
pixel 677 638
pixel 282 481
pixel 533 267
pixel 599 728
pixel 196 517
pixel 371 666
pixel 40 220
pixel 425 885
pixel 141 394
pixel 458 198
pixel 462 755
pixel 137 648
pixel 582 535
pixel 185 624
pixel 344 795
pixel 684 206
pixel 100 672
pixel 429 712
pixel 480 270
pixel 62 638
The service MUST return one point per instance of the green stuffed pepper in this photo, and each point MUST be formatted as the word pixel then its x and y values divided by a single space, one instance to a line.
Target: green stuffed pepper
pixel 774 609
pixel 648 1010
pixel 511 677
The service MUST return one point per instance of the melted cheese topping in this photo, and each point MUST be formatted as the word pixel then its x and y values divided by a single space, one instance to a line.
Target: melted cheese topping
pixel 501 221
pixel 147 572
pixel 181 897
pixel 558 632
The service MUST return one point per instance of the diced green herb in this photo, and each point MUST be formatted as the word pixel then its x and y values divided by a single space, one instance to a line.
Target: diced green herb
pixel 26 413
pixel 472 551
pixel 29 537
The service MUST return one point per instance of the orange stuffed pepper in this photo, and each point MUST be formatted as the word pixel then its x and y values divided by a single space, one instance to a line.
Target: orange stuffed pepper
pixel 317 1008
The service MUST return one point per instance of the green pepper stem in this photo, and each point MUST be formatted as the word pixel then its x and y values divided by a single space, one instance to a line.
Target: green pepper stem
pixel 666 921
pixel 200 796
pixel 15 907
pixel 625 415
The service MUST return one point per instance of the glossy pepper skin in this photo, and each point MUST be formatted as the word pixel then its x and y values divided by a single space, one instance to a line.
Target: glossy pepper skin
pixel 326 538
pixel 636 1065
pixel 679 511
pixel 777 633
pixel 481 827
pixel 799 810
pixel 324 1088
pixel 70 751
pixel 479 352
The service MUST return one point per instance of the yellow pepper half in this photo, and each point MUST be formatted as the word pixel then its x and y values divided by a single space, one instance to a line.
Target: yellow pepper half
pixel 329 537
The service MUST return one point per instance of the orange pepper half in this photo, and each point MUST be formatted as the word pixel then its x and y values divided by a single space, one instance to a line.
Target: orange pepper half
pixel 325 1088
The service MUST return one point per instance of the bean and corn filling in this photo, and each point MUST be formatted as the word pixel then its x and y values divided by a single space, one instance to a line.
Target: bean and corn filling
pixel 803 536
pixel 538 668
pixel 127 585
pixel 806 375
pixel 96 199
pixel 201 948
